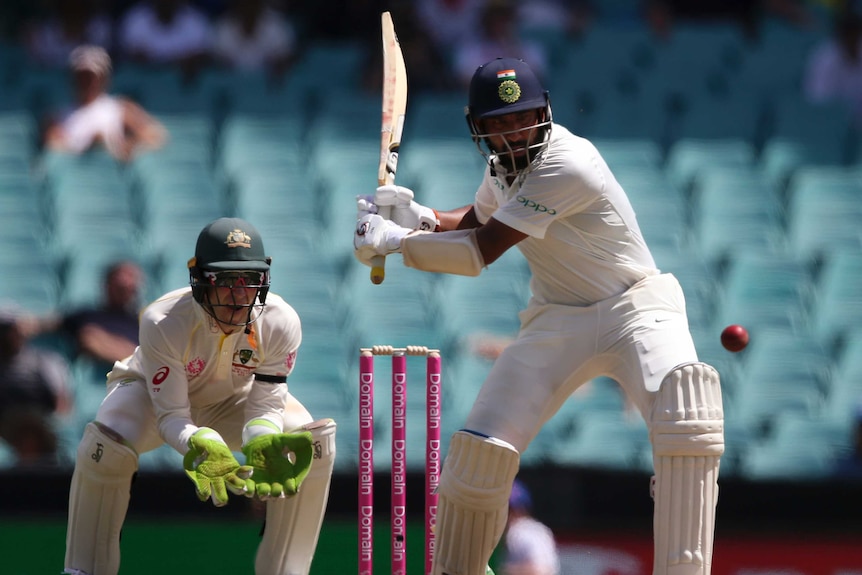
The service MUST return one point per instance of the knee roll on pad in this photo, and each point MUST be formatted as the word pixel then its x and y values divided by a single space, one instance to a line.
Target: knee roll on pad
pixel 687 435
pixel 293 524
pixel 474 497
pixel 98 501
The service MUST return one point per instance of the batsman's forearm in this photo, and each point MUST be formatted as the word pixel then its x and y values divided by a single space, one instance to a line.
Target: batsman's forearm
pixel 463 218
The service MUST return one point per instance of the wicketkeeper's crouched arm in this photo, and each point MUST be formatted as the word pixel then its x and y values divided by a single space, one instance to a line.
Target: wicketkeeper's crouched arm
pixel 455 252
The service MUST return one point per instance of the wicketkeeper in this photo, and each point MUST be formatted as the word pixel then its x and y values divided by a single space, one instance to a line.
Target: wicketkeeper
pixel 600 307
pixel 209 378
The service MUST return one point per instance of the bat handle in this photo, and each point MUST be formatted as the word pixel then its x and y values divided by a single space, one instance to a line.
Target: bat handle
pixel 378 263
pixel 378 269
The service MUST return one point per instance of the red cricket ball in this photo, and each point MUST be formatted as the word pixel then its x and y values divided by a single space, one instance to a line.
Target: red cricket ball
pixel 734 338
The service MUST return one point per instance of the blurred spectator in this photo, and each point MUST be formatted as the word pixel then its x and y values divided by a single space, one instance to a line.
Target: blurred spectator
pixel 448 23
pixel 850 466
pixel 498 35
pixel 107 332
pixel 529 545
pixel 571 17
pixel 252 35
pixel 834 69
pixel 660 15
pixel 34 388
pixel 166 32
pixel 420 53
pixel 99 119
pixel 66 25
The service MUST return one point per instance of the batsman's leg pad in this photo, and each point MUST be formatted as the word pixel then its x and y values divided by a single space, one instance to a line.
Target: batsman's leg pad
pixel 98 501
pixel 293 524
pixel 474 502
pixel 687 435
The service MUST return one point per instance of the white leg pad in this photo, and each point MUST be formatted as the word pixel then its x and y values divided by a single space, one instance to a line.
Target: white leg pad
pixel 98 501
pixel 474 502
pixel 687 435
pixel 293 524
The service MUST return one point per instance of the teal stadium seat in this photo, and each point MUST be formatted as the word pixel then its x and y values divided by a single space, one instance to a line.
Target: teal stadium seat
pixel 783 375
pixel 164 90
pixel 796 362
pixel 848 363
pixel 88 203
pixel 732 207
pixel 660 207
pixel 605 441
pixel 845 394
pixel 698 278
pixel 249 143
pixel 764 291
pixel 488 303
pixel 688 157
pixel 630 153
pixel 797 448
pixel 824 210
pixel 18 137
pixel 837 304
pixel 330 66
pixel 774 62
pixel 802 134
pixel 372 318
pixel 690 67
pixel 432 116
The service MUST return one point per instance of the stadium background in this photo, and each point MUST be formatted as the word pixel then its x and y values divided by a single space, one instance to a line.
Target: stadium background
pixel 744 190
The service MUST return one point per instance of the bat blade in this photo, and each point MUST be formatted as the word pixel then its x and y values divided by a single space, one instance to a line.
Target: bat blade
pixel 392 120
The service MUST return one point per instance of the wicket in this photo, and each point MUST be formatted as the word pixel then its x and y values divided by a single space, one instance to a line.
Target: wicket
pixel 398 515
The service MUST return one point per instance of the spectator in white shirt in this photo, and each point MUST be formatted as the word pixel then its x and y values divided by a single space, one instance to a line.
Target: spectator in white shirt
pixel 252 35
pixel 166 32
pixel 97 118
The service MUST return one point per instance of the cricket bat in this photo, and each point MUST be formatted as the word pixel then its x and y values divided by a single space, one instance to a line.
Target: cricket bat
pixel 394 110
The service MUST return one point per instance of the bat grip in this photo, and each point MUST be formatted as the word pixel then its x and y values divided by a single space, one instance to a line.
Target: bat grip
pixel 378 263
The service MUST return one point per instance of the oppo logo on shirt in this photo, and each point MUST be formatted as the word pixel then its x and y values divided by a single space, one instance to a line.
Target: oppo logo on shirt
pixel 528 203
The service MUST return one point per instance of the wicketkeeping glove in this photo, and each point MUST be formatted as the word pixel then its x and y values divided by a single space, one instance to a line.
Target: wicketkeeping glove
pixel 280 462
pixel 213 469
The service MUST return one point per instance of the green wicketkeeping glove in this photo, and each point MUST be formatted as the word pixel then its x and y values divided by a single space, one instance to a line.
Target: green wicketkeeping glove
pixel 212 467
pixel 280 462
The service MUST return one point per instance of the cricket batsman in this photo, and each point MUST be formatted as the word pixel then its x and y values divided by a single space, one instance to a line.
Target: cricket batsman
pixel 209 378
pixel 599 306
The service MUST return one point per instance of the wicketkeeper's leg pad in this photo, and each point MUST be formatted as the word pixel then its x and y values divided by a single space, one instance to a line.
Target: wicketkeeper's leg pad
pixel 687 435
pixel 474 502
pixel 293 524
pixel 98 501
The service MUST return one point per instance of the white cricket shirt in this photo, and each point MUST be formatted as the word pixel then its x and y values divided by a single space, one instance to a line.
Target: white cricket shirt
pixel 186 361
pixel 584 241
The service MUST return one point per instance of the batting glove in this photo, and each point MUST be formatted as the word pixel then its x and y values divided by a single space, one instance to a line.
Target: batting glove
pixel 376 236
pixel 213 469
pixel 280 461
pixel 406 212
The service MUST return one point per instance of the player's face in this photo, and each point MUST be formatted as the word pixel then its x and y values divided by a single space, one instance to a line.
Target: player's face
pixel 513 136
pixel 233 296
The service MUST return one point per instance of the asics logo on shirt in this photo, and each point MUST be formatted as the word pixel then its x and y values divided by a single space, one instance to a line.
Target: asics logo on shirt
pixel 528 203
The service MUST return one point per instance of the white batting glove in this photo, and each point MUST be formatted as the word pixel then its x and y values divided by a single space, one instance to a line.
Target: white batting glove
pixel 406 212
pixel 376 236
pixel 365 205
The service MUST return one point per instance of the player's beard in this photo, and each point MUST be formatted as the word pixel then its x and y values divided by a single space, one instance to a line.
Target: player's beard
pixel 514 163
